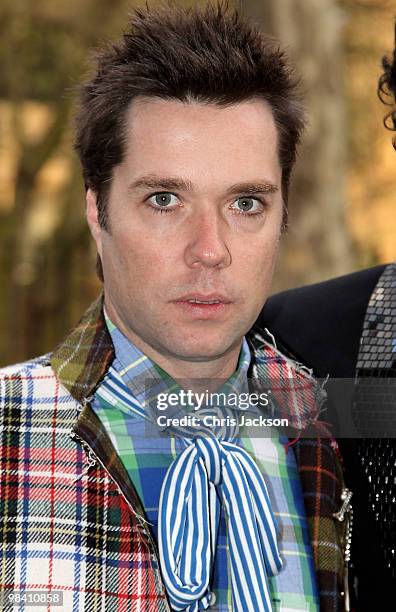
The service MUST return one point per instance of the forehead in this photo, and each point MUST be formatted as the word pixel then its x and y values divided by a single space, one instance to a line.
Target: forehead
pixel 251 110
pixel 170 136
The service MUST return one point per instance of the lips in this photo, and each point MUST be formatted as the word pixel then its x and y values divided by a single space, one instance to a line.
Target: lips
pixel 203 307
pixel 200 298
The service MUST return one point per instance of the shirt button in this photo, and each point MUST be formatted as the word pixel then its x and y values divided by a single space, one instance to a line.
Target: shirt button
pixel 212 599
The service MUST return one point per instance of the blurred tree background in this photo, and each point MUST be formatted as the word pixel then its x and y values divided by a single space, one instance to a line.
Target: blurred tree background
pixel 342 214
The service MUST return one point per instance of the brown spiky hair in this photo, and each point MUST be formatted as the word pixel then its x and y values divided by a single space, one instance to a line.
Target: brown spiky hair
pixel 210 55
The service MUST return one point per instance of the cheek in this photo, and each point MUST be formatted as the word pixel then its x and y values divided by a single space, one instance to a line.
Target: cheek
pixel 256 257
pixel 255 267
pixel 138 259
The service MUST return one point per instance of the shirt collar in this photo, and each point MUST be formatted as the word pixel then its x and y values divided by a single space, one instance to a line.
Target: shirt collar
pixel 84 357
pixel 146 379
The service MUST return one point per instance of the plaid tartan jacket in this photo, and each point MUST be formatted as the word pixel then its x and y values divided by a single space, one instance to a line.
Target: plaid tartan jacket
pixel 70 518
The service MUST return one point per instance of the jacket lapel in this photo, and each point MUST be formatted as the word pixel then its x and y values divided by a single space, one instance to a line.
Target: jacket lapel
pixel 301 399
pixel 81 362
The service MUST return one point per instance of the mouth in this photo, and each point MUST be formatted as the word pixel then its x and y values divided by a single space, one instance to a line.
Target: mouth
pixel 199 298
pixel 202 306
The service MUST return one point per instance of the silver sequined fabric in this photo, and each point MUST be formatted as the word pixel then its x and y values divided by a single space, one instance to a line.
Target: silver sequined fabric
pixel 375 412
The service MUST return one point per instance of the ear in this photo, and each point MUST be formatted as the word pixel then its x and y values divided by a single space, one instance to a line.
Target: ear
pixel 92 219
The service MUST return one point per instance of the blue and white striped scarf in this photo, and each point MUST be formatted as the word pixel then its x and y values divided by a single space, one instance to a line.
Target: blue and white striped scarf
pixel 211 470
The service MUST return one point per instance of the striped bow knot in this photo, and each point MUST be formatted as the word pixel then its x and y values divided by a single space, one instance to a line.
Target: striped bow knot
pixel 207 471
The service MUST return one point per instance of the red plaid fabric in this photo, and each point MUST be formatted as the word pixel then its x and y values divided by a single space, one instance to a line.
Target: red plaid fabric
pixel 64 525
pixel 70 518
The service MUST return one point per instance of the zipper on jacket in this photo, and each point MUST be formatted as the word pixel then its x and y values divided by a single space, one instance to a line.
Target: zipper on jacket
pixel 346 514
pixel 92 460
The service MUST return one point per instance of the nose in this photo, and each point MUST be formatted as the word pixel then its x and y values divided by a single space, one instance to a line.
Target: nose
pixel 207 245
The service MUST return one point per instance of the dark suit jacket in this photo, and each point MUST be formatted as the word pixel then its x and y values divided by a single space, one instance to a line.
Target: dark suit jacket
pixel 321 326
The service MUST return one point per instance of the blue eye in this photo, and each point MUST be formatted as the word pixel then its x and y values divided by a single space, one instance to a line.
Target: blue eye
pixel 163 199
pixel 163 202
pixel 249 205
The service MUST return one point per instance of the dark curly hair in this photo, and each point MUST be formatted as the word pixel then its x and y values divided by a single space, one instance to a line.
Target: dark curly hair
pixel 208 54
pixel 387 89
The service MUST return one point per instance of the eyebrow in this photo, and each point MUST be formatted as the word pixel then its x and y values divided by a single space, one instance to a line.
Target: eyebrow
pixel 247 187
pixel 152 181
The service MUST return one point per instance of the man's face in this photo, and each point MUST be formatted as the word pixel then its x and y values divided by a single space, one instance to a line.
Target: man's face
pixel 194 213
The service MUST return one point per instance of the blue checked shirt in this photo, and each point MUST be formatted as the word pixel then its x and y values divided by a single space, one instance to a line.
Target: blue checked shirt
pixel 147 451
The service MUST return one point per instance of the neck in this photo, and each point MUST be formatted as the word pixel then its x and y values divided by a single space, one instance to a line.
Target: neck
pixel 197 376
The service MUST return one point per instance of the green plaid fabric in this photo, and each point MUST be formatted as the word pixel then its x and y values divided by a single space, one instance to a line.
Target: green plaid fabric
pixel 81 362
pixel 147 457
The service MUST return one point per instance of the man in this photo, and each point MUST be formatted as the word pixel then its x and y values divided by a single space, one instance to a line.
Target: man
pixel 346 328
pixel 187 134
